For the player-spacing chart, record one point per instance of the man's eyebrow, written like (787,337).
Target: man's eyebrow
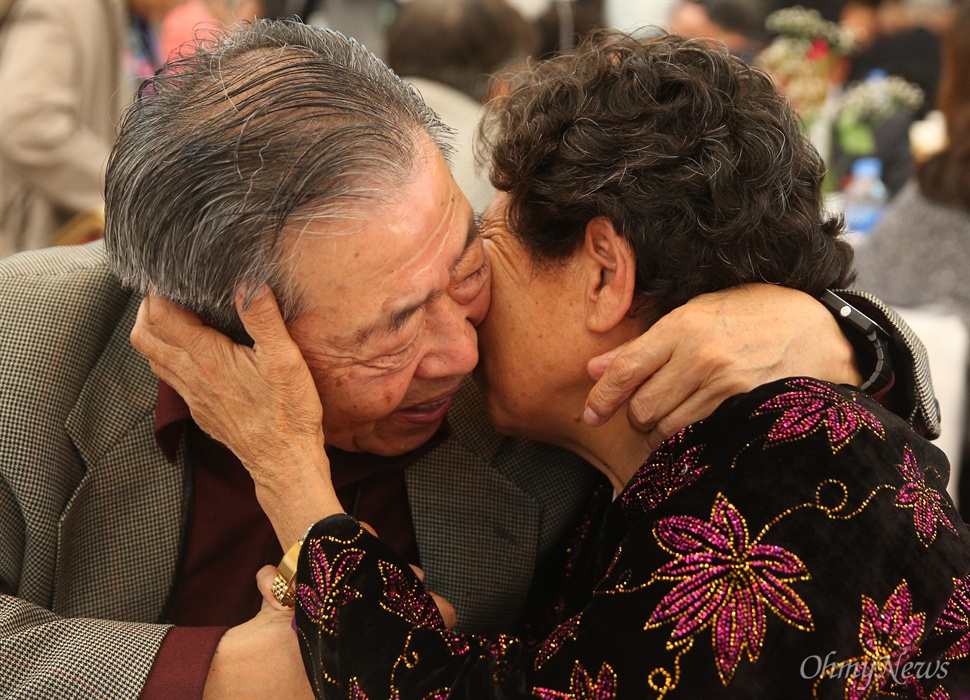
(393,320)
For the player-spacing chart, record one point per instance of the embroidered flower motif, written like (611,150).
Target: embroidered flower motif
(888,637)
(355,692)
(322,600)
(407,599)
(927,503)
(726,582)
(956,618)
(583,687)
(566,630)
(813,405)
(667,470)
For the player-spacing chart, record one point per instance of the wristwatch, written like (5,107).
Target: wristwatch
(870,340)
(286,573)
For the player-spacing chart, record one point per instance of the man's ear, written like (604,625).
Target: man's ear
(610,275)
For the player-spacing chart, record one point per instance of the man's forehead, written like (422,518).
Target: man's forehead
(400,307)
(366,265)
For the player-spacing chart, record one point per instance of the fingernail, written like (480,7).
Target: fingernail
(293,623)
(591,417)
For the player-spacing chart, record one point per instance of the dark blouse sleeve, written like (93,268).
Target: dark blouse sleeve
(799,543)
(368,628)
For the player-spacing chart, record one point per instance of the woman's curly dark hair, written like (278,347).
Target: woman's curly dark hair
(690,152)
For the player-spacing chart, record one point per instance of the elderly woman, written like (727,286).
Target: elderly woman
(797,543)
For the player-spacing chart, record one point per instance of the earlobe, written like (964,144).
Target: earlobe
(611,275)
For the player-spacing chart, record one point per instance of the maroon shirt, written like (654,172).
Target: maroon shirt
(230,539)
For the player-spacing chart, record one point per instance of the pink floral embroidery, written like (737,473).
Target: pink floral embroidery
(322,600)
(355,692)
(408,599)
(667,470)
(956,618)
(813,405)
(927,503)
(566,630)
(888,636)
(939,694)
(726,582)
(584,687)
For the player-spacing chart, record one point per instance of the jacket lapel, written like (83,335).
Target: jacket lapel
(119,536)
(477,530)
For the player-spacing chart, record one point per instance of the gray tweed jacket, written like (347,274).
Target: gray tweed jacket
(92,514)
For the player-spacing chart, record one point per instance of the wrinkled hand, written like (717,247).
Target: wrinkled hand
(715,346)
(247,398)
(260,402)
(259,659)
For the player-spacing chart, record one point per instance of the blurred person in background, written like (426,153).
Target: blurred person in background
(181,25)
(892,36)
(919,254)
(66,71)
(738,24)
(565,22)
(189,22)
(448,51)
(688,18)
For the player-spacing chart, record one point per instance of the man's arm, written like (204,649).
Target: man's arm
(46,656)
(43,655)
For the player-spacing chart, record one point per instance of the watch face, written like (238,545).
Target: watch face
(876,339)
(846,311)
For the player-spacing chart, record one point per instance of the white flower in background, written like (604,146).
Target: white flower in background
(799,23)
(879,96)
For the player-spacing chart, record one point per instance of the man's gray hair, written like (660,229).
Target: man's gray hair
(226,156)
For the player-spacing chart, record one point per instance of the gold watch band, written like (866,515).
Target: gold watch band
(283,584)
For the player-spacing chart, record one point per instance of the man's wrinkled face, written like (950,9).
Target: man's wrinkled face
(390,297)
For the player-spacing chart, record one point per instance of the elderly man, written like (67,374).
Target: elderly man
(290,156)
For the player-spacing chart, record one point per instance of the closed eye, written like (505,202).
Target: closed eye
(469,287)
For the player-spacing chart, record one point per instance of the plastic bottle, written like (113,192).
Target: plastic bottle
(865,197)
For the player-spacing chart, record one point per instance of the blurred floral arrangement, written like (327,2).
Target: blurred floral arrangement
(867,104)
(806,63)
(800,57)
(808,25)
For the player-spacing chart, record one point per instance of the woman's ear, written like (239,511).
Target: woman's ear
(610,275)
